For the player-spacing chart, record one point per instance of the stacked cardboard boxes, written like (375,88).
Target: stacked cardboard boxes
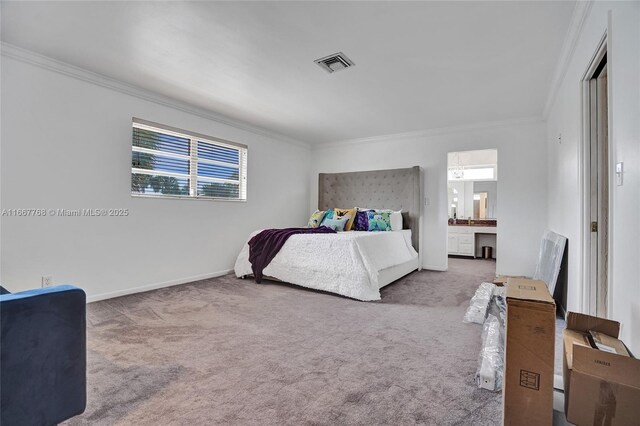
(601,377)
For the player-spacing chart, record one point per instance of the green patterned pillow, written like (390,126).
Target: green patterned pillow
(379,220)
(327,215)
(316,219)
(335,224)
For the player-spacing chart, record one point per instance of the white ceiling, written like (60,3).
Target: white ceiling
(419,65)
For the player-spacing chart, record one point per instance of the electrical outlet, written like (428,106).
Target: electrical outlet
(47,281)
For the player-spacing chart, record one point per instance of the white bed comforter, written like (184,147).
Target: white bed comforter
(346,263)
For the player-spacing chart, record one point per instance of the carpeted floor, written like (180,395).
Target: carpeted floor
(229,351)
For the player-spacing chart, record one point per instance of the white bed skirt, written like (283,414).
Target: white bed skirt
(393,273)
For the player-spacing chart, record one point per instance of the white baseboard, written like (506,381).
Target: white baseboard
(439,268)
(112,294)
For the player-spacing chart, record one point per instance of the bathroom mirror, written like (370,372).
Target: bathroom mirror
(473,184)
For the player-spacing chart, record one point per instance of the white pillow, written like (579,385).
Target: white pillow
(396,217)
(396,220)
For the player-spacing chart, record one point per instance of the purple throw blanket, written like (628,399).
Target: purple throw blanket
(264,246)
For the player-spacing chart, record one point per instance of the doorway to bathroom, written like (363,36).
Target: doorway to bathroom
(472,188)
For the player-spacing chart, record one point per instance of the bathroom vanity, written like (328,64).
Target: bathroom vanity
(468,240)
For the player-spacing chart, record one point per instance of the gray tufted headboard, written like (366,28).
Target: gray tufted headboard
(378,189)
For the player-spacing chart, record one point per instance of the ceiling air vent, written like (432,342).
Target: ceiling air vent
(336,62)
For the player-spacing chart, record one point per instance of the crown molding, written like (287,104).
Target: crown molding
(580,13)
(434,132)
(26,56)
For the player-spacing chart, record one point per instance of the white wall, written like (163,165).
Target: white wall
(521,184)
(564,187)
(66,143)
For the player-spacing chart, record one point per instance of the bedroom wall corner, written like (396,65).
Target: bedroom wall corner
(522,182)
(66,144)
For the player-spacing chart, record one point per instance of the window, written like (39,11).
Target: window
(472,173)
(171,162)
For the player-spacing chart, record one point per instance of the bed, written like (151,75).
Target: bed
(353,264)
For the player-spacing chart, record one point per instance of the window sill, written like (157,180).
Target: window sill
(179,197)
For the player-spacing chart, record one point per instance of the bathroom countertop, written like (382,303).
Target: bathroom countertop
(478,222)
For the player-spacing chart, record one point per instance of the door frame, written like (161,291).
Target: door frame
(589,287)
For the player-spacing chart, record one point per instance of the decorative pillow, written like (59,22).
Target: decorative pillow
(362,209)
(327,215)
(350,214)
(396,217)
(396,220)
(362,222)
(335,224)
(379,220)
(316,219)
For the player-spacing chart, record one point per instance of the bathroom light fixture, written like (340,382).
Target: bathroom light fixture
(457,171)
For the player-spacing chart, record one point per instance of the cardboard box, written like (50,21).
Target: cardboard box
(600,386)
(501,280)
(607,343)
(529,353)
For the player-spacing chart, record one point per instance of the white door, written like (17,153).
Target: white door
(598,188)
(453,244)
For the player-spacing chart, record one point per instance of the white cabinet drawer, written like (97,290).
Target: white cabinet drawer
(465,249)
(465,239)
(453,244)
(464,230)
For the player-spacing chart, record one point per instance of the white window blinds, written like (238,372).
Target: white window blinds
(175,163)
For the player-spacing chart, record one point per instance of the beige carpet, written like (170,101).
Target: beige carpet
(229,351)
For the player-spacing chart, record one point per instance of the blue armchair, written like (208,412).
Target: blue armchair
(43,355)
